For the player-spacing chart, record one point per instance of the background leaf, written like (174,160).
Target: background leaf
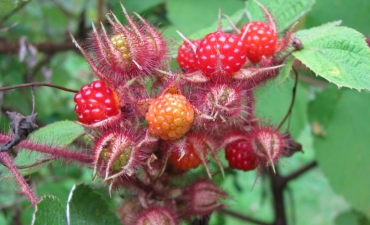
(60,134)
(338,54)
(343,153)
(7,6)
(137,6)
(49,211)
(351,217)
(352,13)
(285,12)
(273,101)
(198,14)
(85,206)
(285,71)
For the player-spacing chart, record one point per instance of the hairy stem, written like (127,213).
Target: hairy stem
(25,189)
(58,152)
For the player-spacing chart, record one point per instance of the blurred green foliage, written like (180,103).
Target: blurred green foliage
(339,114)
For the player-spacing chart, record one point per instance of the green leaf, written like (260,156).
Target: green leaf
(59,134)
(354,13)
(343,154)
(49,211)
(7,6)
(285,12)
(352,218)
(285,71)
(321,110)
(85,206)
(194,15)
(137,6)
(236,17)
(273,101)
(338,54)
(317,30)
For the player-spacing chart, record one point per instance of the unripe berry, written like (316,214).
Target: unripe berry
(170,116)
(114,154)
(156,215)
(203,197)
(128,210)
(267,144)
(225,105)
(136,49)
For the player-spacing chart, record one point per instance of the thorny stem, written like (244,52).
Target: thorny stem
(242,217)
(25,189)
(251,104)
(58,152)
(278,186)
(36,84)
(299,172)
(291,103)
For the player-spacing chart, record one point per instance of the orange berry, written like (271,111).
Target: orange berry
(189,161)
(170,116)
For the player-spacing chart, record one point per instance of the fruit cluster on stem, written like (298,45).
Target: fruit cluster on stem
(151,126)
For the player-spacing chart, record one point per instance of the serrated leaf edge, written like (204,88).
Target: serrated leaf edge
(36,208)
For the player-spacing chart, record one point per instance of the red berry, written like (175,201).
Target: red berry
(240,155)
(260,40)
(220,54)
(95,102)
(186,56)
(170,116)
(189,161)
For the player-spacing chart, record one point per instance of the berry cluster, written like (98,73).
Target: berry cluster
(221,54)
(150,125)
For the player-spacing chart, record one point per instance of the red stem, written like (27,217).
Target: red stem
(25,189)
(58,152)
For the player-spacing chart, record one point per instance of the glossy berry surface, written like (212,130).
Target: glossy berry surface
(260,40)
(170,116)
(240,155)
(95,102)
(220,54)
(186,56)
(189,161)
